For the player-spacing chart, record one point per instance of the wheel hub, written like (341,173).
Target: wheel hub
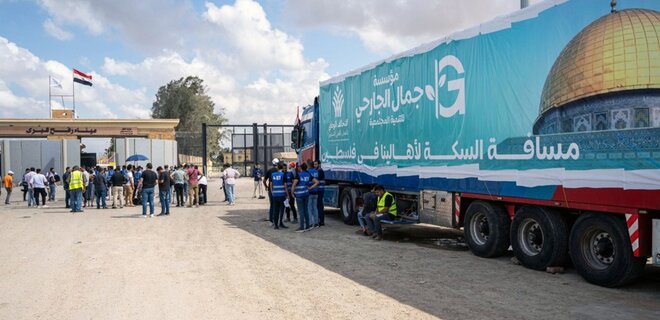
(479,229)
(530,237)
(603,247)
(534,237)
(484,230)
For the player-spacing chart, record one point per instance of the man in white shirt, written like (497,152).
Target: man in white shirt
(28,179)
(86,182)
(230,175)
(203,186)
(39,183)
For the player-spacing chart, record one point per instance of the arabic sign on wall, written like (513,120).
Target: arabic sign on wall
(477,100)
(45,131)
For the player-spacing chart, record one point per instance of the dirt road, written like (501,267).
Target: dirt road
(222,262)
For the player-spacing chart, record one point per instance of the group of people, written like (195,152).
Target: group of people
(35,183)
(297,190)
(126,186)
(373,208)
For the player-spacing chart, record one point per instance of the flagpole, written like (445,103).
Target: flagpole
(50,106)
(73,86)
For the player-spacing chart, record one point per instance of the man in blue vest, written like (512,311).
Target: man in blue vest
(313,196)
(321,191)
(385,210)
(288,173)
(277,188)
(301,183)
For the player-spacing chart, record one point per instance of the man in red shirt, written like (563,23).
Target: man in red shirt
(193,186)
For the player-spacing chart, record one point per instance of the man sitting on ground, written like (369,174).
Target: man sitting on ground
(366,205)
(385,210)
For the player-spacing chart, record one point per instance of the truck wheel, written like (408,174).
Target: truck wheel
(539,237)
(601,251)
(348,213)
(486,229)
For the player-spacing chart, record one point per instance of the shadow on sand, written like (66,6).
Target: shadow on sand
(425,267)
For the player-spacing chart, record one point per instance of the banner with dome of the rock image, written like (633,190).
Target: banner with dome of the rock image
(560,93)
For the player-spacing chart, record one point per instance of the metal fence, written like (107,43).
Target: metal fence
(249,145)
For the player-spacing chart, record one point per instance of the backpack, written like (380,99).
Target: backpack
(57,178)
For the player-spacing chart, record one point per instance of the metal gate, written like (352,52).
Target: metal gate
(248,145)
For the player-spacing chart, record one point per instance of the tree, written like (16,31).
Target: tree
(186,99)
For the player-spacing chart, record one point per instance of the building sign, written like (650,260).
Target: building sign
(39,131)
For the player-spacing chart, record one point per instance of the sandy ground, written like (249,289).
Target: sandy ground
(222,262)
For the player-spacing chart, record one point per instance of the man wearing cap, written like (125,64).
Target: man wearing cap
(8,183)
(267,178)
(257,174)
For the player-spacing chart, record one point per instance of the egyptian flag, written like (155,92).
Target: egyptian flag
(82,78)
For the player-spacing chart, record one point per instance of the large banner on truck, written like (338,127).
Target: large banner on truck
(560,93)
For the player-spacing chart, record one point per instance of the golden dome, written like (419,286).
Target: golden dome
(617,52)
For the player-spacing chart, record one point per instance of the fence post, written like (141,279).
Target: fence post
(204,148)
(266,155)
(255,145)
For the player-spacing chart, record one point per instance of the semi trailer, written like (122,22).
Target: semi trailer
(537,132)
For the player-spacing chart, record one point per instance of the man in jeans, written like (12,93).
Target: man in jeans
(230,175)
(147,183)
(8,184)
(66,177)
(366,205)
(28,178)
(100,189)
(301,179)
(193,186)
(385,210)
(320,192)
(52,178)
(313,196)
(163,191)
(76,187)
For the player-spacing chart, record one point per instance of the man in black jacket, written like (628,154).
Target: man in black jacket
(117,181)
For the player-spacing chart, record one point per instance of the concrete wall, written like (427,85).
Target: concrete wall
(20,154)
(159,152)
(17,154)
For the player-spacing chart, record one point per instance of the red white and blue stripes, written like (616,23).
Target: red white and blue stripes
(82,78)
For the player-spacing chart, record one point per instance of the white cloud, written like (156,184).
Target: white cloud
(74,12)
(394,26)
(254,72)
(30,77)
(148,25)
(267,99)
(258,74)
(56,31)
(248,30)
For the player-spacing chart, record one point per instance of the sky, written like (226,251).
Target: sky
(258,59)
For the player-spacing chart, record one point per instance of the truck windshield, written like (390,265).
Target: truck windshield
(309,134)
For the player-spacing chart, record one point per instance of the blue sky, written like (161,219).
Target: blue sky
(259,59)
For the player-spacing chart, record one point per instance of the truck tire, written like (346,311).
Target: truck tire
(348,213)
(539,237)
(486,229)
(601,251)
